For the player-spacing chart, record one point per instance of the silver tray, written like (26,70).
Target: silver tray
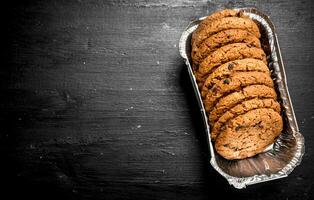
(286,153)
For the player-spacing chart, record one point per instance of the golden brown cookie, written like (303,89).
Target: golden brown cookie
(216,15)
(225,70)
(225,54)
(236,87)
(249,134)
(229,101)
(221,39)
(234,83)
(240,109)
(223,24)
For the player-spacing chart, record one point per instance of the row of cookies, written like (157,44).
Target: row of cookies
(238,93)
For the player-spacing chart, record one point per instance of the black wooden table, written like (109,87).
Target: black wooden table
(96,101)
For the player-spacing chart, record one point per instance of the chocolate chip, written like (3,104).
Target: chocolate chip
(238,128)
(260,125)
(239,14)
(226,81)
(230,66)
(214,89)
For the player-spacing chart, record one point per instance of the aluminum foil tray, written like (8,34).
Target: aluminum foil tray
(286,153)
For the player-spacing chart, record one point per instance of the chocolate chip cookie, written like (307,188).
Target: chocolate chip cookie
(240,109)
(223,38)
(249,134)
(227,69)
(224,24)
(249,92)
(225,54)
(234,83)
(236,87)
(216,15)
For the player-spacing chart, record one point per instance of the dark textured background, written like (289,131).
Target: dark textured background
(96,101)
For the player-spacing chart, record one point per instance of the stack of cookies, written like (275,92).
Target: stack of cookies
(238,93)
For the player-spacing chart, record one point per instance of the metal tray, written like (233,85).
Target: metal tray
(286,153)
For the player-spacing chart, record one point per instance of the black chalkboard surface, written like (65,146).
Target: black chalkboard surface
(96,102)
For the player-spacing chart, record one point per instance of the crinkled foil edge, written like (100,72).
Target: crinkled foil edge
(278,65)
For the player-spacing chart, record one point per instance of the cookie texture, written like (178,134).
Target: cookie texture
(249,134)
(221,39)
(225,54)
(224,24)
(242,108)
(234,83)
(229,68)
(226,103)
(216,15)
